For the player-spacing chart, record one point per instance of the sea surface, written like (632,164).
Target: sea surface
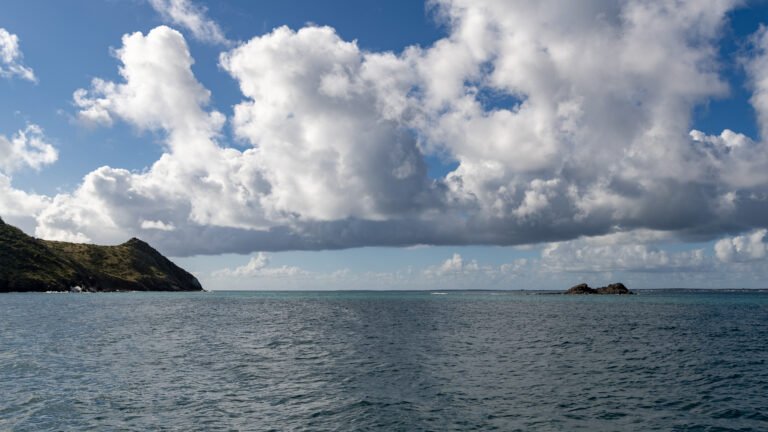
(384,361)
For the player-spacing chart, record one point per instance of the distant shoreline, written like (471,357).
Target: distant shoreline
(425,291)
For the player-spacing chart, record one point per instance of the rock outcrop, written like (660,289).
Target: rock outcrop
(614,288)
(28,264)
(581,289)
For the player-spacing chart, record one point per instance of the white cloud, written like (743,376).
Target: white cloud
(457,268)
(454,265)
(588,135)
(604,97)
(287,182)
(743,248)
(258,266)
(757,68)
(195,183)
(26,148)
(315,119)
(18,207)
(518,267)
(454,273)
(610,254)
(191,17)
(157,225)
(159,93)
(11,58)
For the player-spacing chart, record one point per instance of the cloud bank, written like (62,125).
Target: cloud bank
(563,121)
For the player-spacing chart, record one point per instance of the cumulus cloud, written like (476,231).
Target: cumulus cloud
(586,256)
(598,134)
(26,148)
(11,64)
(743,248)
(290,190)
(159,93)
(757,68)
(18,207)
(191,17)
(157,225)
(323,143)
(258,266)
(586,132)
(454,265)
(195,183)
(457,268)
(454,273)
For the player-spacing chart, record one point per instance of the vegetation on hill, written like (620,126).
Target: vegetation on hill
(30,264)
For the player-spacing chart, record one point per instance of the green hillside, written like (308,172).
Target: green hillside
(30,264)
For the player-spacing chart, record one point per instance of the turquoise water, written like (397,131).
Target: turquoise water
(688,361)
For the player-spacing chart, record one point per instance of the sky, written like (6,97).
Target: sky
(452,144)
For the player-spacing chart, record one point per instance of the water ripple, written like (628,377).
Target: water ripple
(384,361)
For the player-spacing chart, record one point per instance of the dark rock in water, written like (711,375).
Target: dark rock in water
(28,264)
(614,288)
(581,289)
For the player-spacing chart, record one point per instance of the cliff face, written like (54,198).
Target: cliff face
(30,264)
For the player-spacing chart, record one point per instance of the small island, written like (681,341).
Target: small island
(28,264)
(614,288)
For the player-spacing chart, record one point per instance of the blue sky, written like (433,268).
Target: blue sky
(452,145)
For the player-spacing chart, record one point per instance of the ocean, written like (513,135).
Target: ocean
(384,361)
